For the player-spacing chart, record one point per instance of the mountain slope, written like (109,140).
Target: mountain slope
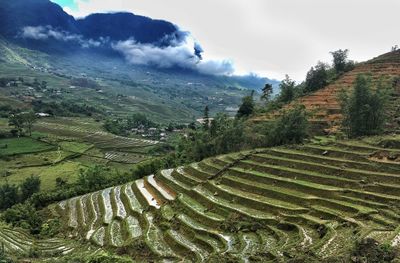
(267,205)
(324,103)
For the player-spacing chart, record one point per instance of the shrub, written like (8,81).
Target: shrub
(290,128)
(23,215)
(369,250)
(30,186)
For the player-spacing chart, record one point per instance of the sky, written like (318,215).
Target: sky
(270,37)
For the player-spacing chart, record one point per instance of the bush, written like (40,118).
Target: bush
(23,215)
(8,196)
(290,128)
(30,186)
(369,250)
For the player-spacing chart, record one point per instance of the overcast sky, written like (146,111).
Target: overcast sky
(270,37)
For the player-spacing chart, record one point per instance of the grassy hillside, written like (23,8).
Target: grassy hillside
(119,89)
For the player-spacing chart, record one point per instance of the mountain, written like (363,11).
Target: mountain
(17,14)
(138,57)
(122,26)
(41,24)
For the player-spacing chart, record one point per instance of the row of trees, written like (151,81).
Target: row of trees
(22,122)
(224,134)
(317,77)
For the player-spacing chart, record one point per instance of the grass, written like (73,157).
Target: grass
(76,147)
(66,170)
(22,145)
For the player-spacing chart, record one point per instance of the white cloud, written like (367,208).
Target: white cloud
(48,32)
(273,37)
(179,55)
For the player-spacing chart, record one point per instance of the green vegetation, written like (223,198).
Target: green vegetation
(316,78)
(364,109)
(22,145)
(92,184)
(371,251)
(247,106)
(291,204)
(340,62)
(290,128)
(30,186)
(122,126)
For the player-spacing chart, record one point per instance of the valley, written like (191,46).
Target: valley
(123,141)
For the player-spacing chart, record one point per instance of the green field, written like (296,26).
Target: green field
(22,145)
(48,174)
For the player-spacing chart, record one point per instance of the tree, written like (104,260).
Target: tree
(29,118)
(267,92)
(340,60)
(291,127)
(8,195)
(206,118)
(317,78)
(21,121)
(364,109)
(247,106)
(24,215)
(17,121)
(93,178)
(287,87)
(139,120)
(30,186)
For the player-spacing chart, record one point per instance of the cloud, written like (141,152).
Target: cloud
(273,37)
(176,50)
(185,54)
(48,32)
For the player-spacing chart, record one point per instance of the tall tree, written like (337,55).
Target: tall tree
(206,118)
(287,87)
(340,60)
(267,92)
(17,121)
(30,186)
(364,109)
(247,106)
(29,118)
(8,195)
(316,78)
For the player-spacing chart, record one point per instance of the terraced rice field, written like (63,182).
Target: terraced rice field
(324,103)
(124,157)
(18,242)
(100,139)
(265,205)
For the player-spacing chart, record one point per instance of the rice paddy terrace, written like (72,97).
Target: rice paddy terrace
(265,205)
(18,242)
(88,132)
(325,106)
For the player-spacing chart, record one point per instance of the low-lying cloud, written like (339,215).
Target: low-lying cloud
(185,54)
(48,32)
(171,52)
